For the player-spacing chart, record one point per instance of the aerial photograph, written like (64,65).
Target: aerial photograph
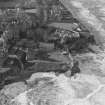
(52,52)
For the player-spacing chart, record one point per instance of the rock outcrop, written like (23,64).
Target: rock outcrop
(48,89)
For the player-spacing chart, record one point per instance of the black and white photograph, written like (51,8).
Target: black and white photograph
(52,52)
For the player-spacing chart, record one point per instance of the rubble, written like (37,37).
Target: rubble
(90,13)
(44,45)
(84,90)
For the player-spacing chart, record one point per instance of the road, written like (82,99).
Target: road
(91,13)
